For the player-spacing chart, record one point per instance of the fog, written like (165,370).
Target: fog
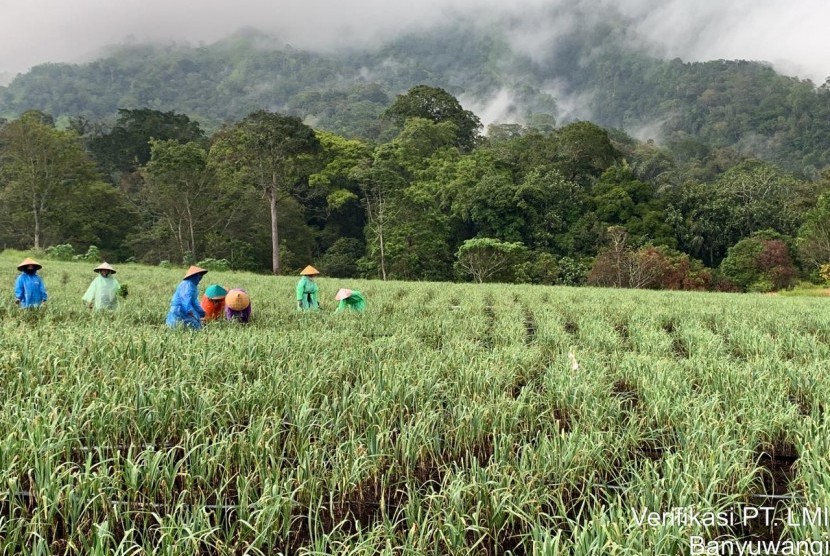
(787,33)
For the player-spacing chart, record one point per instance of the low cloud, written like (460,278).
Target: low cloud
(791,35)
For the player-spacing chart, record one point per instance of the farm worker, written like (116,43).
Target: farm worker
(29,289)
(307,289)
(349,299)
(238,306)
(102,292)
(213,302)
(184,306)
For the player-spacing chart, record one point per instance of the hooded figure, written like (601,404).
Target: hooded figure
(349,300)
(213,302)
(238,306)
(102,292)
(29,289)
(307,289)
(184,307)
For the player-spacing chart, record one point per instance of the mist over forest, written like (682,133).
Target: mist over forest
(571,66)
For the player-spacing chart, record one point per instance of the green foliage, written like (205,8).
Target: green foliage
(814,234)
(584,151)
(92,255)
(340,260)
(573,272)
(417,194)
(620,199)
(184,199)
(437,105)
(41,170)
(538,268)
(487,259)
(694,108)
(708,218)
(760,263)
(63,252)
(128,145)
(271,153)
(215,264)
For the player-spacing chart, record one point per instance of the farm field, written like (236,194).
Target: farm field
(447,419)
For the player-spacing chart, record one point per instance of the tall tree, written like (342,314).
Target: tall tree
(584,151)
(273,153)
(709,218)
(405,232)
(182,193)
(39,165)
(127,146)
(437,105)
(380,180)
(814,235)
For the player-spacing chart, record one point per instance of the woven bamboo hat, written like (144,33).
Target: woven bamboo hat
(237,300)
(194,270)
(215,291)
(342,294)
(29,262)
(103,266)
(309,271)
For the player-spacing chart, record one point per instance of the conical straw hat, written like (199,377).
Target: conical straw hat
(237,300)
(29,262)
(342,294)
(104,266)
(193,270)
(309,271)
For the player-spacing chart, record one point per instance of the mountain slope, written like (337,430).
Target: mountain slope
(592,73)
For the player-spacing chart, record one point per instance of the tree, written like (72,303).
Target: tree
(620,199)
(182,193)
(95,213)
(335,206)
(710,217)
(405,230)
(273,153)
(126,147)
(437,105)
(584,151)
(380,179)
(814,235)
(39,165)
(486,258)
(761,262)
(619,266)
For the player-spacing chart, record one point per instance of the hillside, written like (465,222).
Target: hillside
(590,74)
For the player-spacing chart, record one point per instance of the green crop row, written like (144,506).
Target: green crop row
(446,419)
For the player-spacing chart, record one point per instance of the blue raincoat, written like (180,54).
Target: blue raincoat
(184,307)
(30,290)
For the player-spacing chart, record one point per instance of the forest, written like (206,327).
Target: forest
(245,155)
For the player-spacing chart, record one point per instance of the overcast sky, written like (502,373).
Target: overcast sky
(792,34)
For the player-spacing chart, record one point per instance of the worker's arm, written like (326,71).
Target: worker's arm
(195,308)
(89,296)
(19,290)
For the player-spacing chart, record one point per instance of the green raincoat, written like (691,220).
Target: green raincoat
(354,302)
(306,294)
(102,292)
